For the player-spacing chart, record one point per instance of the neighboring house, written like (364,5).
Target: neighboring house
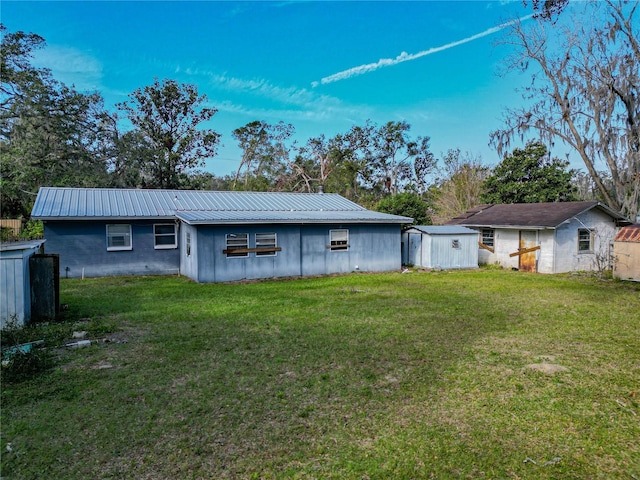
(214,236)
(626,252)
(443,246)
(15,281)
(544,237)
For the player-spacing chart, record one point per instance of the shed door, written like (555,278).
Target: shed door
(415,249)
(527,261)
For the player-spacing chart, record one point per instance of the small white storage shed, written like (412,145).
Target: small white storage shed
(626,251)
(15,283)
(440,246)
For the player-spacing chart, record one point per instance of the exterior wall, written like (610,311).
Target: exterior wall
(435,251)
(15,286)
(558,248)
(506,241)
(627,261)
(303,252)
(567,258)
(214,266)
(443,255)
(82,247)
(372,248)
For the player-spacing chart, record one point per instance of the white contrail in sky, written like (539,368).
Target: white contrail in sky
(406,57)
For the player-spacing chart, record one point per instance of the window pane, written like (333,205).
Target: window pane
(584,240)
(237,241)
(165,235)
(165,240)
(487,237)
(265,240)
(339,239)
(165,229)
(119,237)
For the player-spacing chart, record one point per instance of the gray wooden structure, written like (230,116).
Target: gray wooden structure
(15,281)
(441,246)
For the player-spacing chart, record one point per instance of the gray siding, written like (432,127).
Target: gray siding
(436,250)
(83,250)
(15,286)
(303,252)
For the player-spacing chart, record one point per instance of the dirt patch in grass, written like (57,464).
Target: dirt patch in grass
(547,368)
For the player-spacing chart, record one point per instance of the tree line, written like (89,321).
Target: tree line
(51,134)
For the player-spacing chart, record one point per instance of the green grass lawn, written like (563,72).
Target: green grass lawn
(478,374)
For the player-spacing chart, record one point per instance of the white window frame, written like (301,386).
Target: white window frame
(336,244)
(455,243)
(164,235)
(583,231)
(231,236)
(125,235)
(187,243)
(267,240)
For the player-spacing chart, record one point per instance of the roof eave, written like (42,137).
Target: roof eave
(114,219)
(510,227)
(294,221)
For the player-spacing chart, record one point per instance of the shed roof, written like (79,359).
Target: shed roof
(529,215)
(197,206)
(444,230)
(630,233)
(21,245)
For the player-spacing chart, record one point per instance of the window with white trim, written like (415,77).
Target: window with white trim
(118,237)
(585,241)
(455,244)
(187,243)
(266,244)
(237,241)
(165,236)
(339,239)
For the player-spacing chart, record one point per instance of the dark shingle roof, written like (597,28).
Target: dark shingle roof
(528,215)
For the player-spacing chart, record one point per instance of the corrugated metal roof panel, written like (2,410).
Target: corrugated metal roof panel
(221,217)
(630,233)
(206,206)
(444,230)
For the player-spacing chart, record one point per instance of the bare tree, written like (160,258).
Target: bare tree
(460,186)
(585,92)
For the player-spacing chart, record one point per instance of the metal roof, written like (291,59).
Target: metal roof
(21,245)
(296,216)
(628,234)
(201,207)
(443,230)
(528,215)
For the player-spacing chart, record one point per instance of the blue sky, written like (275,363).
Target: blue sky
(321,66)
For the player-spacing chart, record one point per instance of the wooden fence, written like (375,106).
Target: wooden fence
(13,224)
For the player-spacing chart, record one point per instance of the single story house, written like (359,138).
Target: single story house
(213,236)
(15,281)
(544,237)
(442,246)
(626,252)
